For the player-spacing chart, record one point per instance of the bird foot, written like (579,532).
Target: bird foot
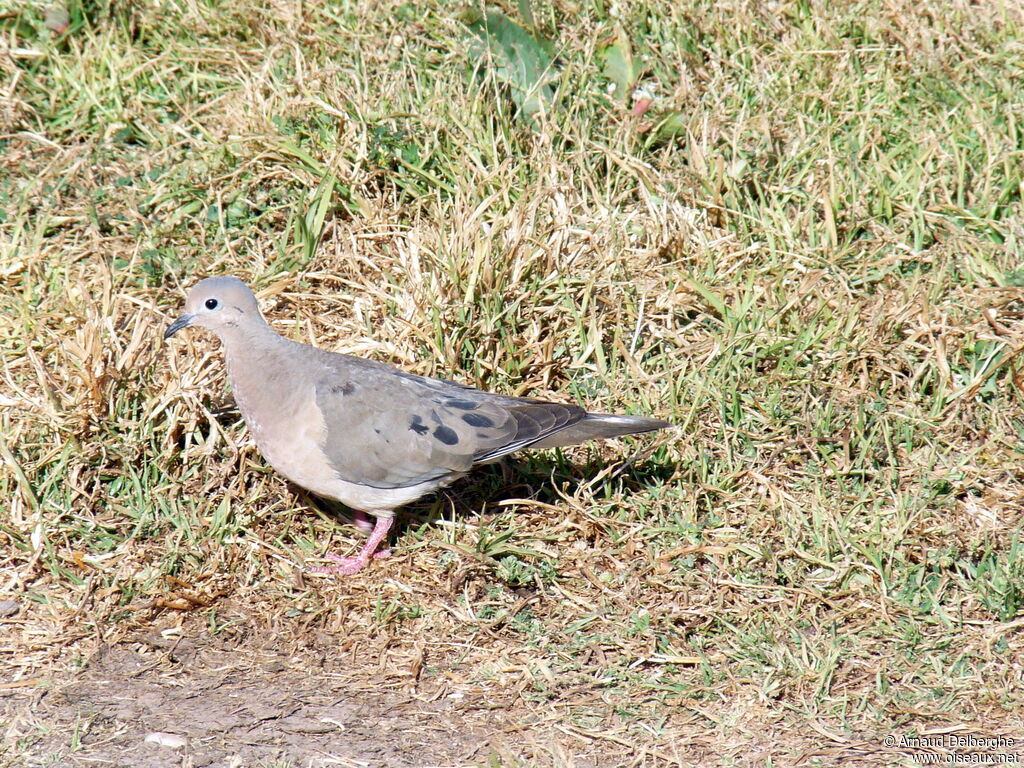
(348,565)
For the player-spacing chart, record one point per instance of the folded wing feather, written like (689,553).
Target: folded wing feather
(428,429)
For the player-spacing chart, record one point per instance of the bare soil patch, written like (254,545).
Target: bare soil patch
(241,704)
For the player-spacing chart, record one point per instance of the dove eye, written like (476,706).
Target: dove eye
(212,303)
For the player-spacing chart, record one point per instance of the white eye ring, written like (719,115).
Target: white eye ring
(211,304)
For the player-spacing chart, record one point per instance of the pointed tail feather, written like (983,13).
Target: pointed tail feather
(600,425)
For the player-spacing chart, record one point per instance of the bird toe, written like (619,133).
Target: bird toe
(345,565)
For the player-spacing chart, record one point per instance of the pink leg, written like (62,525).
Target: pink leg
(362,521)
(350,565)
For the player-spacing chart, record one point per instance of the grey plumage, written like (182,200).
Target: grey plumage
(365,433)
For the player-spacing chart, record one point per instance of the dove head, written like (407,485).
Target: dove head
(219,304)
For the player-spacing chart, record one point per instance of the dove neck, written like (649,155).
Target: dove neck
(249,344)
(257,360)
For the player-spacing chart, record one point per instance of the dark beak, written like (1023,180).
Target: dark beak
(182,322)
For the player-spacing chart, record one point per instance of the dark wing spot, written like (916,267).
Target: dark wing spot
(346,389)
(446,435)
(462,405)
(417,425)
(477,420)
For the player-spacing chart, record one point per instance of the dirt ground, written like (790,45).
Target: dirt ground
(175,693)
(248,703)
(257,695)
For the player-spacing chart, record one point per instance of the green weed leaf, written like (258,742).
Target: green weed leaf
(619,66)
(515,58)
(670,126)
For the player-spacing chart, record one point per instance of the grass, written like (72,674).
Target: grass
(815,273)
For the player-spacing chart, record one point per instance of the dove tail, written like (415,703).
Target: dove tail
(595,426)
